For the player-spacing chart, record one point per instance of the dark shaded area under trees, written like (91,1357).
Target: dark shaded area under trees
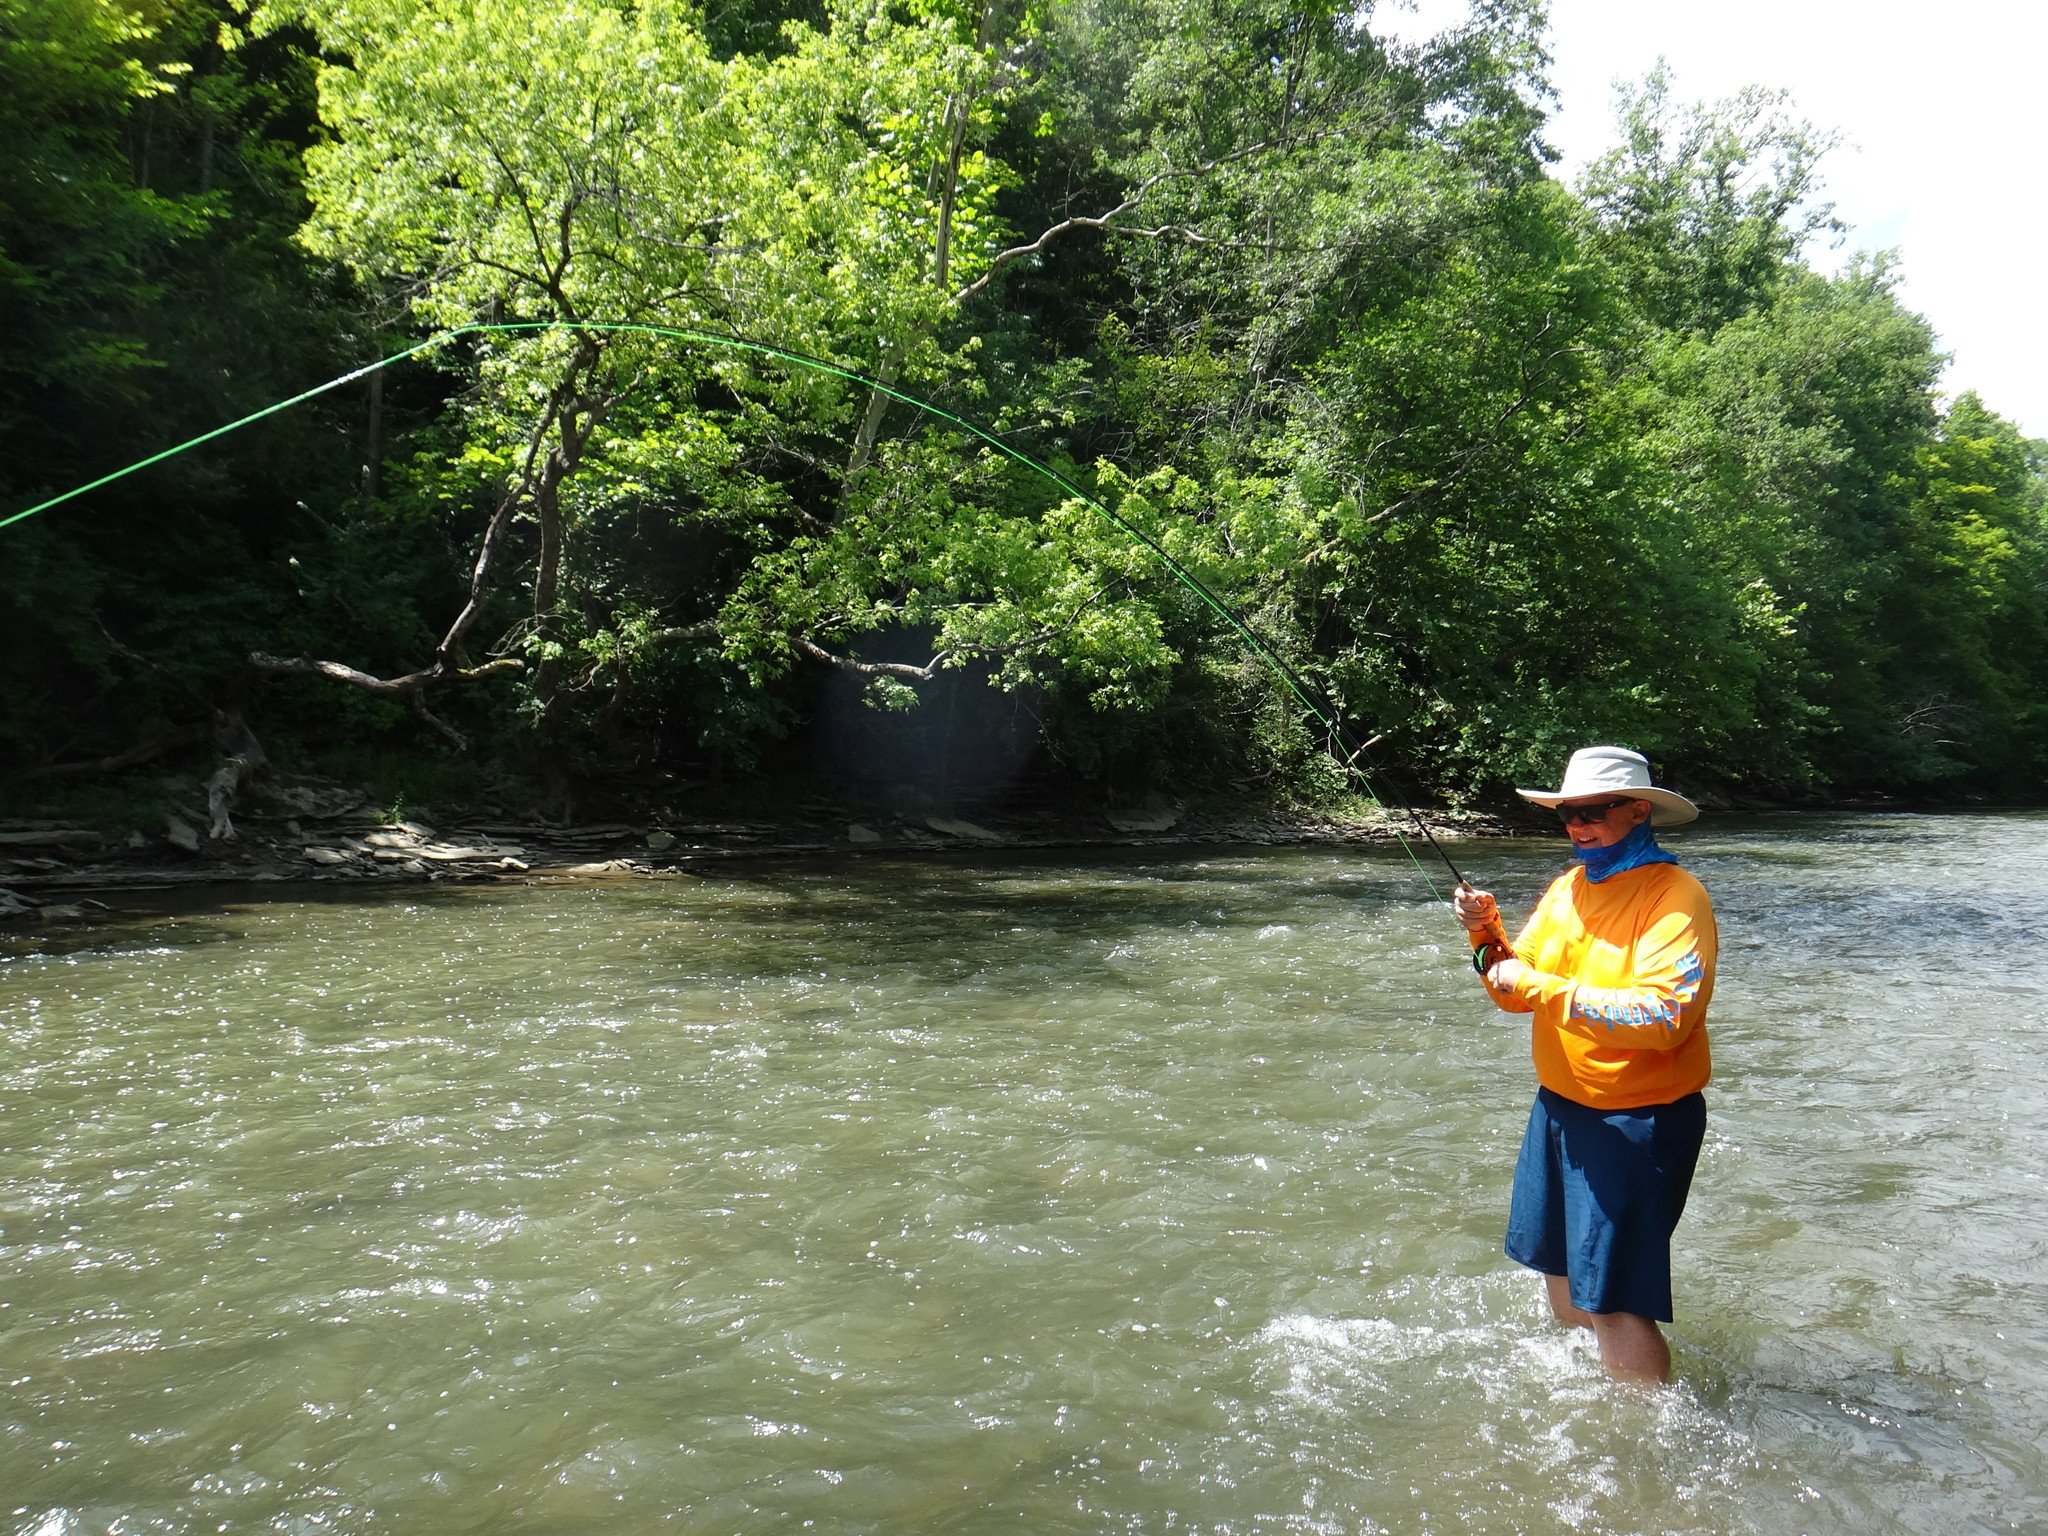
(1501,465)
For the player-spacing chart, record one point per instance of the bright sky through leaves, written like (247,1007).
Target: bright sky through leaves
(1943,141)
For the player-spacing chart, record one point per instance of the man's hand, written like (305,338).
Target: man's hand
(1475,909)
(1505,975)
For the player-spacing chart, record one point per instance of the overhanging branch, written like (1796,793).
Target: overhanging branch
(384,687)
(923,674)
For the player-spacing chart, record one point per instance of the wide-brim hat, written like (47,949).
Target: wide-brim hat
(1616,771)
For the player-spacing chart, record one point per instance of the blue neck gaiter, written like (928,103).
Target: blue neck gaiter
(1632,852)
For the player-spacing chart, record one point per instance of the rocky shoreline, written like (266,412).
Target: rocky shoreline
(53,871)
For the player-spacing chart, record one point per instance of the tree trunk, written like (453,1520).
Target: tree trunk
(571,417)
(578,421)
(871,422)
(959,108)
(245,759)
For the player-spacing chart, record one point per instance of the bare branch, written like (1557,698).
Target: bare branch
(518,273)
(930,669)
(706,630)
(1104,222)
(923,674)
(455,737)
(384,687)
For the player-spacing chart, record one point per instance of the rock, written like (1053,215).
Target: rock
(181,833)
(856,833)
(326,855)
(389,855)
(12,905)
(513,864)
(319,801)
(418,829)
(1150,819)
(137,840)
(390,839)
(660,842)
(48,837)
(952,827)
(606,867)
(59,913)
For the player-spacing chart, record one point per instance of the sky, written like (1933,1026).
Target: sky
(1944,154)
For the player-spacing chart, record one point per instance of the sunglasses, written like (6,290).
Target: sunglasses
(1585,815)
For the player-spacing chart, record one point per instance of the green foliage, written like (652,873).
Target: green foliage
(1967,676)
(1786,443)
(149,290)
(1496,465)
(1703,209)
(82,229)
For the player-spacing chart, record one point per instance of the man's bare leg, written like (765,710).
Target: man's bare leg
(1561,1307)
(1632,1348)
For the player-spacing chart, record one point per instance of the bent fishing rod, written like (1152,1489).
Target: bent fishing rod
(1337,740)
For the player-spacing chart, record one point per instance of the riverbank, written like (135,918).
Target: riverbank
(56,870)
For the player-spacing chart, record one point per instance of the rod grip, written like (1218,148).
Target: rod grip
(1493,941)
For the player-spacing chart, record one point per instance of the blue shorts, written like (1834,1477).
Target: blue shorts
(1598,1194)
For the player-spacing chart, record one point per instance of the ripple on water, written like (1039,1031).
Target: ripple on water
(1063,1196)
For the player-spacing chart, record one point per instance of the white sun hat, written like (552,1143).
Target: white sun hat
(1597,771)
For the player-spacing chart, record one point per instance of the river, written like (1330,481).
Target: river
(1136,1191)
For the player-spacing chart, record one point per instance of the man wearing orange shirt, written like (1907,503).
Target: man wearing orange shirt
(1616,968)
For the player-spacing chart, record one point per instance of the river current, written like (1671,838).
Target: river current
(1120,1192)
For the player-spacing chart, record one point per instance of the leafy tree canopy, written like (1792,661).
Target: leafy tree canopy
(1497,464)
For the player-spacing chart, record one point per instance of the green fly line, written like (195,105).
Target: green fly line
(1334,740)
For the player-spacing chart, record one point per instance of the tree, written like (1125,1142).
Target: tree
(1494,464)
(1706,206)
(576,164)
(81,222)
(1784,448)
(149,290)
(1968,618)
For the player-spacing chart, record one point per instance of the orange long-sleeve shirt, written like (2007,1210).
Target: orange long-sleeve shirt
(1620,975)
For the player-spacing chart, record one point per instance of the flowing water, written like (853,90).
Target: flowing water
(1110,1192)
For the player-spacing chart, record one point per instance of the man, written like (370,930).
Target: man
(1617,968)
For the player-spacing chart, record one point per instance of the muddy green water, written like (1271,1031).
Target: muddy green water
(1053,1194)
